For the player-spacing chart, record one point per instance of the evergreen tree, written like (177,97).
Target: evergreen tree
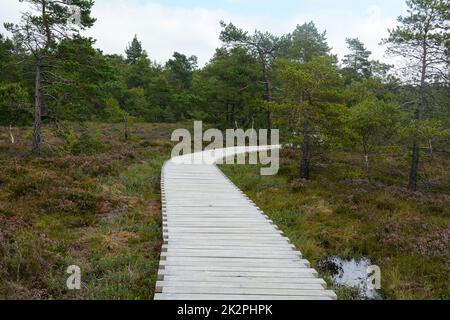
(180,70)
(40,32)
(265,46)
(230,84)
(357,64)
(306,42)
(134,51)
(423,38)
(313,103)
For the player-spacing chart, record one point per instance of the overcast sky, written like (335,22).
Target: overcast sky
(192,26)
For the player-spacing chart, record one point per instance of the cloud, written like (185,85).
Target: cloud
(161,29)
(369,27)
(164,29)
(11,11)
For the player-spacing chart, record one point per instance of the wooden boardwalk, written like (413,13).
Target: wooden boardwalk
(218,245)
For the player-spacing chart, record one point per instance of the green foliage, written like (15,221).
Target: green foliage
(88,145)
(135,102)
(85,144)
(424,24)
(423,38)
(373,123)
(229,85)
(84,73)
(431,131)
(142,179)
(14,107)
(266,47)
(49,23)
(306,42)
(139,74)
(134,51)
(8,65)
(314,97)
(357,63)
(375,120)
(180,70)
(112,110)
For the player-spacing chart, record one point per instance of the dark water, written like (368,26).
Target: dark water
(351,273)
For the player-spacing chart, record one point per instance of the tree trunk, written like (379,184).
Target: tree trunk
(233,111)
(414,168)
(36,149)
(304,163)
(413,174)
(268,94)
(126,132)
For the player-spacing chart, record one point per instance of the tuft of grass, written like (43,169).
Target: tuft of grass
(144,178)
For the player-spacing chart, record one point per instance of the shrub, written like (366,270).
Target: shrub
(86,145)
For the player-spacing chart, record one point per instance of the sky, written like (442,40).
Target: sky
(192,27)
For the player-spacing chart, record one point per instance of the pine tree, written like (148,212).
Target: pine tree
(265,46)
(308,48)
(357,61)
(40,32)
(313,102)
(307,42)
(423,38)
(134,51)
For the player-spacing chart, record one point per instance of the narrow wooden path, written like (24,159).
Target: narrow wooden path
(218,245)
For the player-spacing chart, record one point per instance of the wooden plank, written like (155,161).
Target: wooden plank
(168,296)
(287,251)
(231,242)
(237,268)
(242,284)
(228,254)
(206,260)
(280,266)
(202,279)
(224,246)
(224,236)
(248,291)
(301,272)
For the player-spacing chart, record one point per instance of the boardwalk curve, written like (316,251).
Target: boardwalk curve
(218,245)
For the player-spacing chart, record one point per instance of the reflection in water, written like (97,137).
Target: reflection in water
(350,273)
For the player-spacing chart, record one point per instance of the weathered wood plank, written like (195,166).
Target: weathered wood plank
(235,267)
(247,285)
(301,272)
(189,260)
(168,296)
(202,278)
(249,291)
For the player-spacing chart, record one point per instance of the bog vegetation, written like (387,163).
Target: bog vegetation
(368,144)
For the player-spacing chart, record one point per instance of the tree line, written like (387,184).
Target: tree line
(50,72)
